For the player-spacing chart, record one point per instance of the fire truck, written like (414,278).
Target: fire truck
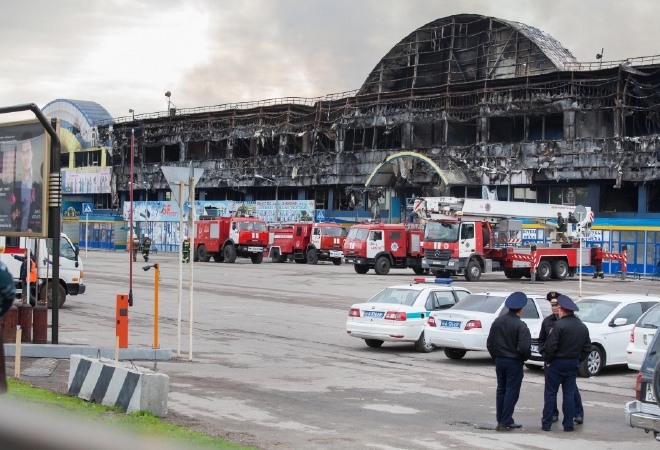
(226,238)
(307,242)
(471,236)
(381,246)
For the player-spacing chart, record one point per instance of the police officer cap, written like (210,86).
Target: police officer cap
(552,295)
(566,303)
(517,300)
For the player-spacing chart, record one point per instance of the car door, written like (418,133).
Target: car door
(619,335)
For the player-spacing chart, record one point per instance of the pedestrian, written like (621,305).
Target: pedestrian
(28,277)
(598,263)
(185,250)
(509,343)
(561,229)
(546,327)
(7,296)
(565,347)
(146,247)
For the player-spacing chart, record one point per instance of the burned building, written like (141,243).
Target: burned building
(463,103)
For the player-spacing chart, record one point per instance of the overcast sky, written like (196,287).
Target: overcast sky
(125,54)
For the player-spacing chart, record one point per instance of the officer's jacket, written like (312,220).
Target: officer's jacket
(569,338)
(546,326)
(509,337)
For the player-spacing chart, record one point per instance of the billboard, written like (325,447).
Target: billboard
(24,169)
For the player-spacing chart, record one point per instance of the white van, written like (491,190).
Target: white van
(71,266)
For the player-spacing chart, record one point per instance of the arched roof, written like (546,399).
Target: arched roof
(81,117)
(466,48)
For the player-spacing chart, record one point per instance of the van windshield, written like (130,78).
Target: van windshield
(66,249)
(441,231)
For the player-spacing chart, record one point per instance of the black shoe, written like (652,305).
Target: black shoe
(601,276)
(501,427)
(512,425)
(544,428)
(579,420)
(568,430)
(555,418)
(595,276)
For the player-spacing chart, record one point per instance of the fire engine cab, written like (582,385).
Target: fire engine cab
(226,238)
(471,236)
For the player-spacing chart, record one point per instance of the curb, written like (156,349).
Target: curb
(65,352)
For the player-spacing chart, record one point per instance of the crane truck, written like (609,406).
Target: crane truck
(471,236)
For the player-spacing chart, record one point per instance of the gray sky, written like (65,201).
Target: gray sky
(126,54)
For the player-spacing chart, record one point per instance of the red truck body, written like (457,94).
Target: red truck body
(226,238)
(307,242)
(381,246)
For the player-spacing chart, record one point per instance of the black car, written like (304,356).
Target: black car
(644,412)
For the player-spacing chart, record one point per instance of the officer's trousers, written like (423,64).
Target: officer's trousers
(561,372)
(509,373)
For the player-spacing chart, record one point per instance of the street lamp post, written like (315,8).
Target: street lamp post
(277,188)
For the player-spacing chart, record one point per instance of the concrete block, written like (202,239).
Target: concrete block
(118,383)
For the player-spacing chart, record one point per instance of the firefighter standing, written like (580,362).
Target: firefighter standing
(135,245)
(32,271)
(561,229)
(185,250)
(146,246)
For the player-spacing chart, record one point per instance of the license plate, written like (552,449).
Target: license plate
(535,348)
(255,249)
(350,260)
(377,314)
(335,254)
(649,393)
(450,324)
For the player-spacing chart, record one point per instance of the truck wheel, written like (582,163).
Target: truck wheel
(281,259)
(257,258)
(275,256)
(473,271)
(202,254)
(543,271)
(48,293)
(382,265)
(217,257)
(336,261)
(513,274)
(361,268)
(560,269)
(312,257)
(229,254)
(419,270)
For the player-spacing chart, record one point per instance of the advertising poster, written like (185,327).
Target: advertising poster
(87,181)
(24,159)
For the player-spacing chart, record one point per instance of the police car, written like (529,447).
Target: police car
(399,313)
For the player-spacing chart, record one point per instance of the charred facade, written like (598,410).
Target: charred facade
(461,103)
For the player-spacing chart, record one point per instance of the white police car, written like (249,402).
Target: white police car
(399,313)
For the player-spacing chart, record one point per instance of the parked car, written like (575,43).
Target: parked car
(644,412)
(610,318)
(465,327)
(398,313)
(641,336)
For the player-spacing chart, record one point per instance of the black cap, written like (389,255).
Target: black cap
(552,295)
(566,303)
(516,300)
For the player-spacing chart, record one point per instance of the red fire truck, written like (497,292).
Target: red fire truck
(471,236)
(226,238)
(380,246)
(307,242)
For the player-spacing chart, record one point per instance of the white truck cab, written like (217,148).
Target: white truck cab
(71,267)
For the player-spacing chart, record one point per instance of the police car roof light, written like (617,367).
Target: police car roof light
(446,281)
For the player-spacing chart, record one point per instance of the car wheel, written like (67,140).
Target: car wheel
(593,363)
(560,270)
(275,255)
(361,268)
(382,265)
(454,353)
(473,271)
(48,294)
(543,271)
(312,257)
(373,343)
(422,345)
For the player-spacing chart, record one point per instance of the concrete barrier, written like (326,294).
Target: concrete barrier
(118,383)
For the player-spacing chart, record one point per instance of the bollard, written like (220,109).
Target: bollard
(25,321)
(10,321)
(121,330)
(40,324)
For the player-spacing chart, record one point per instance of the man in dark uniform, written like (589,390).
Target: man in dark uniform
(509,343)
(561,229)
(7,296)
(546,327)
(567,344)
(185,250)
(146,247)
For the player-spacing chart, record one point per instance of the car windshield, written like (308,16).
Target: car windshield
(441,231)
(480,302)
(333,231)
(395,296)
(651,319)
(358,234)
(595,310)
